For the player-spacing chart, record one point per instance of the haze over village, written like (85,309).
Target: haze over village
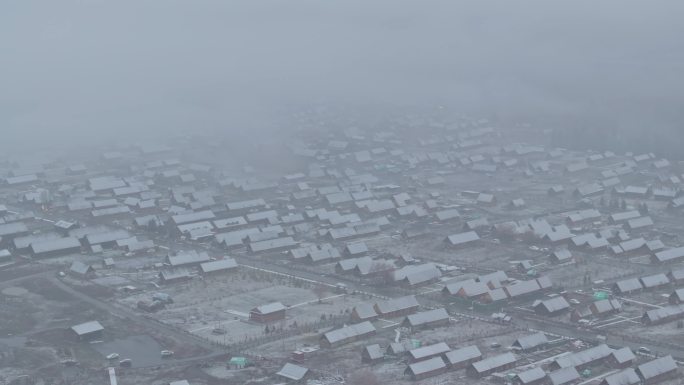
(328,193)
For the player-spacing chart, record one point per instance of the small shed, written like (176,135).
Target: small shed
(81,270)
(372,354)
(293,373)
(88,331)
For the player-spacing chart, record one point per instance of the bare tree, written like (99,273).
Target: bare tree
(383,270)
(363,377)
(320,291)
(506,232)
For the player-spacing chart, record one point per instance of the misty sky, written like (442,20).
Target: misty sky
(89,69)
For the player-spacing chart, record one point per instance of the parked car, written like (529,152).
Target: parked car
(644,350)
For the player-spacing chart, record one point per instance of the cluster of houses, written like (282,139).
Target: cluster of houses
(356,187)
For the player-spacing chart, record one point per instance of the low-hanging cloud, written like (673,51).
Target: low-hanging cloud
(81,71)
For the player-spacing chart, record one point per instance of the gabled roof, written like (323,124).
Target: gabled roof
(55,245)
(79,267)
(629,285)
(624,377)
(87,328)
(531,341)
(606,305)
(522,287)
(657,367)
(497,276)
(106,236)
(668,255)
(564,376)
(463,238)
(623,355)
(664,313)
(374,351)
(427,366)
(562,254)
(269,308)
(654,280)
(193,217)
(429,351)
(365,311)
(492,363)
(223,264)
(677,274)
(448,214)
(461,355)
(168,275)
(554,304)
(356,248)
(188,258)
(397,304)
(426,317)
(625,215)
(638,223)
(293,372)
(584,356)
(272,244)
(12,228)
(416,274)
(471,288)
(531,375)
(347,332)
